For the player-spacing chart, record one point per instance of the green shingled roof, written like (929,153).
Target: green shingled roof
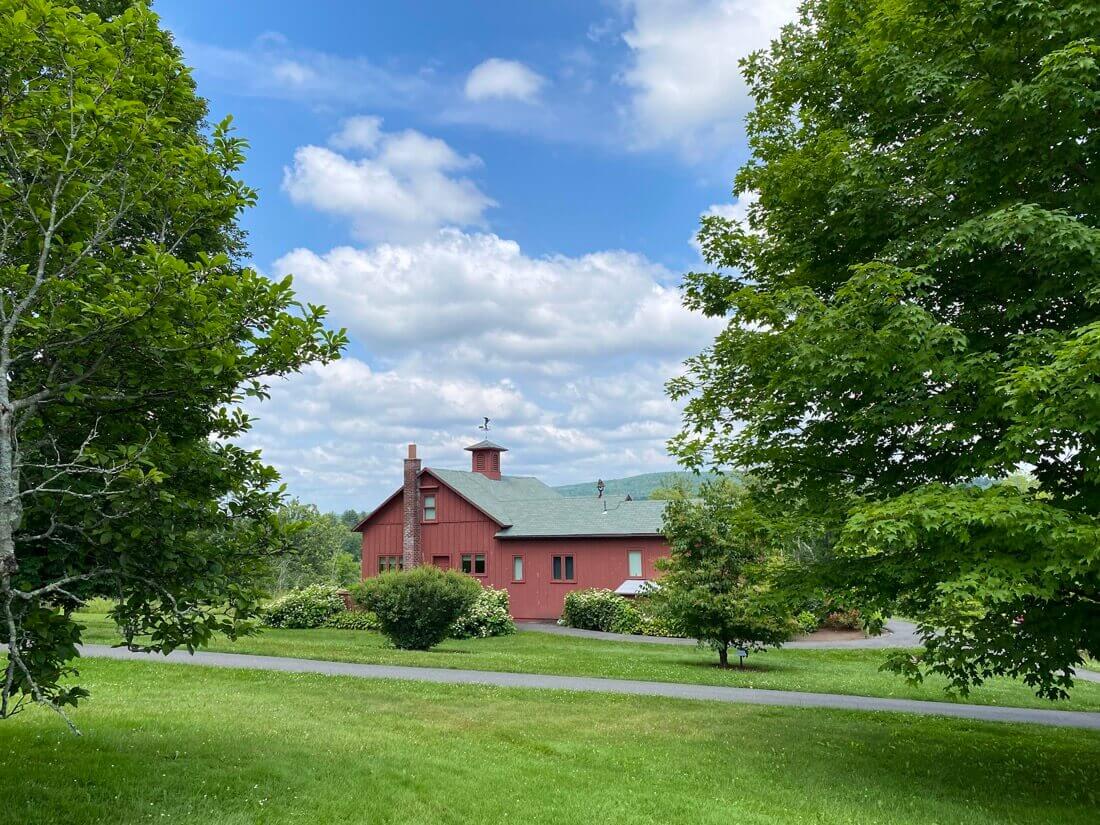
(584,517)
(527,508)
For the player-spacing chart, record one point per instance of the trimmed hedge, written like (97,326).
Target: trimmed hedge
(309,607)
(488,616)
(416,608)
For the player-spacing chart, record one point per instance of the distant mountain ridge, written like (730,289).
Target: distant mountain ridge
(637,487)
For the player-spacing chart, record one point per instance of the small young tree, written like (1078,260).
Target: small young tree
(718,582)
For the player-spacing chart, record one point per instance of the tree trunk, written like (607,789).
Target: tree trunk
(724,655)
(10,505)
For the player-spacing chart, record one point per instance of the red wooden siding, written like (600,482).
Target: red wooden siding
(460,528)
(597,562)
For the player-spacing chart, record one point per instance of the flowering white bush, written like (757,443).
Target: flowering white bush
(488,617)
(599,609)
(308,607)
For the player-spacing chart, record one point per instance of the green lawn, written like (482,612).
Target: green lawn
(165,743)
(822,671)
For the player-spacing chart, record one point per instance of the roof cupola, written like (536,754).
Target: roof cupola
(485,458)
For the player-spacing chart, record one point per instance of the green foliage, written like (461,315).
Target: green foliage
(678,488)
(719,582)
(132,333)
(913,303)
(345,569)
(487,616)
(417,608)
(653,620)
(312,606)
(599,609)
(849,619)
(314,550)
(605,610)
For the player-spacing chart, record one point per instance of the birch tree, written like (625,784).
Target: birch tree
(130,332)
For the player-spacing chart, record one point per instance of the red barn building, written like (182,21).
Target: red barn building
(512,532)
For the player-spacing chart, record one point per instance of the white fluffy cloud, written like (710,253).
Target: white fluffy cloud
(478,298)
(503,79)
(685,74)
(403,186)
(567,354)
(337,433)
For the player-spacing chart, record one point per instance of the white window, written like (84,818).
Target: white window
(429,508)
(634,563)
(517,568)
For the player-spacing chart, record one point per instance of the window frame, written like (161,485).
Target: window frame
(388,563)
(641,564)
(522,568)
(424,508)
(473,557)
(565,563)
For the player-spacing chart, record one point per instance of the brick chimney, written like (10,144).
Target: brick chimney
(485,458)
(411,555)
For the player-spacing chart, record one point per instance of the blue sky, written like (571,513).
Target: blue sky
(497,200)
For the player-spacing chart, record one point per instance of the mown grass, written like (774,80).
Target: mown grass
(854,672)
(200,746)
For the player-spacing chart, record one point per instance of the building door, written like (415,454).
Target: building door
(442,562)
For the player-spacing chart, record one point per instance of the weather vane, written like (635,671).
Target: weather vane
(484,426)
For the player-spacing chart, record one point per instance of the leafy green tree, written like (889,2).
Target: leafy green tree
(913,303)
(677,489)
(345,570)
(129,332)
(719,580)
(313,547)
(350,518)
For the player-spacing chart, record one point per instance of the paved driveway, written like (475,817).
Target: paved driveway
(898,634)
(753,696)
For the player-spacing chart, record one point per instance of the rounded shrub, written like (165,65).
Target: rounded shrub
(843,619)
(598,609)
(487,616)
(309,607)
(416,608)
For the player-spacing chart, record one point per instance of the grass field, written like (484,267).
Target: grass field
(821,671)
(164,743)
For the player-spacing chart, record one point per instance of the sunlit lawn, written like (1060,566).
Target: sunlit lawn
(165,743)
(821,671)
